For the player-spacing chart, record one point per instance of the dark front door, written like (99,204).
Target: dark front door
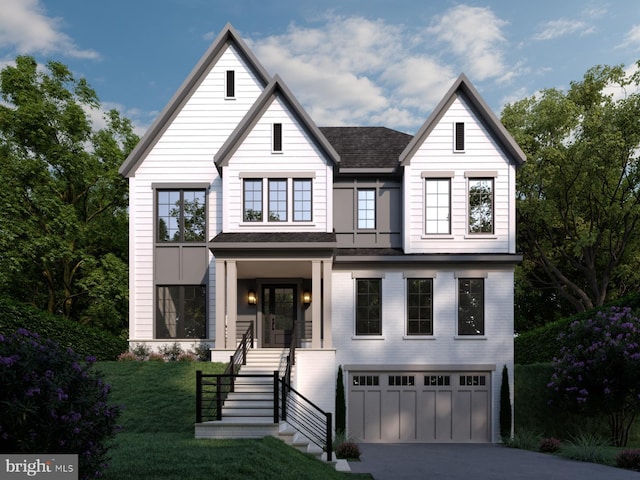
(279,309)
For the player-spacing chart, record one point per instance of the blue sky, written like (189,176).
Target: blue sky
(349,62)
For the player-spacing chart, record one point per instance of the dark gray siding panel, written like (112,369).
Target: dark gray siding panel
(388,231)
(181,265)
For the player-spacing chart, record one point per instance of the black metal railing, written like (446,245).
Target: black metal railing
(306,417)
(210,395)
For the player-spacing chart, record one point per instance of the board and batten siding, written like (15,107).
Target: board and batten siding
(255,157)
(183,156)
(444,347)
(482,157)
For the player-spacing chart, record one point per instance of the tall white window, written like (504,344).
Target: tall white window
(481,205)
(366,209)
(437,206)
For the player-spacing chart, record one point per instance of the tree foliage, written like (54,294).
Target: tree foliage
(598,369)
(506,423)
(578,194)
(64,228)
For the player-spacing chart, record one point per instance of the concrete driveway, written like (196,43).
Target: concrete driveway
(475,462)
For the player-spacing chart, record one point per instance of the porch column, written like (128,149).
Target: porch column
(327,269)
(232,303)
(316,304)
(221,302)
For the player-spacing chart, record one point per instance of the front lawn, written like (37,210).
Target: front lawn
(157,442)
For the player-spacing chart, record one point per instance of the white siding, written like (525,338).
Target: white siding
(254,156)
(183,155)
(393,347)
(315,377)
(481,154)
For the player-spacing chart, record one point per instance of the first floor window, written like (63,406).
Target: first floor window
(419,306)
(181,215)
(437,206)
(252,200)
(368,306)
(481,205)
(181,311)
(470,306)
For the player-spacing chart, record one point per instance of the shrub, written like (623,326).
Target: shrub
(549,445)
(524,439)
(505,406)
(51,401)
(172,352)
(141,351)
(586,448)
(348,449)
(598,369)
(341,408)
(84,340)
(202,352)
(127,357)
(629,459)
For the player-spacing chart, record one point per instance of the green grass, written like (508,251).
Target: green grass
(157,440)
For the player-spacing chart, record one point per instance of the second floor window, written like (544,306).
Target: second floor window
(279,191)
(277,200)
(366,209)
(302,200)
(437,206)
(252,200)
(181,215)
(481,205)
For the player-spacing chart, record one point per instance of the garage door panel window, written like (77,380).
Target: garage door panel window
(402,380)
(368,306)
(419,306)
(470,306)
(473,380)
(362,380)
(437,380)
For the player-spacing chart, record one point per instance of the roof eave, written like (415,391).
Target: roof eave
(193,80)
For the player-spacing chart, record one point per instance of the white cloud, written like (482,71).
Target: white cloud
(474,34)
(359,71)
(632,38)
(25,27)
(560,28)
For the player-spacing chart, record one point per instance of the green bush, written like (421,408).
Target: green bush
(505,406)
(349,450)
(51,401)
(629,459)
(541,345)
(524,440)
(586,448)
(341,408)
(83,340)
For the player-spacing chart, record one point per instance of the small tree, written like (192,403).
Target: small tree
(505,406)
(598,370)
(341,420)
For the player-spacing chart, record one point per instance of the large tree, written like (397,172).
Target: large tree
(63,229)
(579,192)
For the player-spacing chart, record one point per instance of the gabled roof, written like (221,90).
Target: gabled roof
(228,36)
(462,87)
(275,88)
(362,149)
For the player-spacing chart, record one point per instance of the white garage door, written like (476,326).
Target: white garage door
(419,406)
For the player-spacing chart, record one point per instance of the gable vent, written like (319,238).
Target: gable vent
(459,137)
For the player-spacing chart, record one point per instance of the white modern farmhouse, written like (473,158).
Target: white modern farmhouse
(388,254)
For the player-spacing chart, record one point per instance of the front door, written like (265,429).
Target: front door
(279,309)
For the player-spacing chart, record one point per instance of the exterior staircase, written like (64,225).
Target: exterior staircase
(248,410)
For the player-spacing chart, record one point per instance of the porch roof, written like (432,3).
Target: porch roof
(273,241)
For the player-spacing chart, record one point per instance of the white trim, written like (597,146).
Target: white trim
(419,337)
(362,274)
(481,174)
(437,174)
(272,174)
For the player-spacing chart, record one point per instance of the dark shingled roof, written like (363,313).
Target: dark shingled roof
(367,147)
(275,237)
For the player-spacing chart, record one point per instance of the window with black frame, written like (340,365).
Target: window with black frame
(181,215)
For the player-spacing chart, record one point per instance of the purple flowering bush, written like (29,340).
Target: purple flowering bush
(598,369)
(51,401)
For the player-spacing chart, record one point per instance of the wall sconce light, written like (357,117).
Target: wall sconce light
(306,297)
(251,297)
